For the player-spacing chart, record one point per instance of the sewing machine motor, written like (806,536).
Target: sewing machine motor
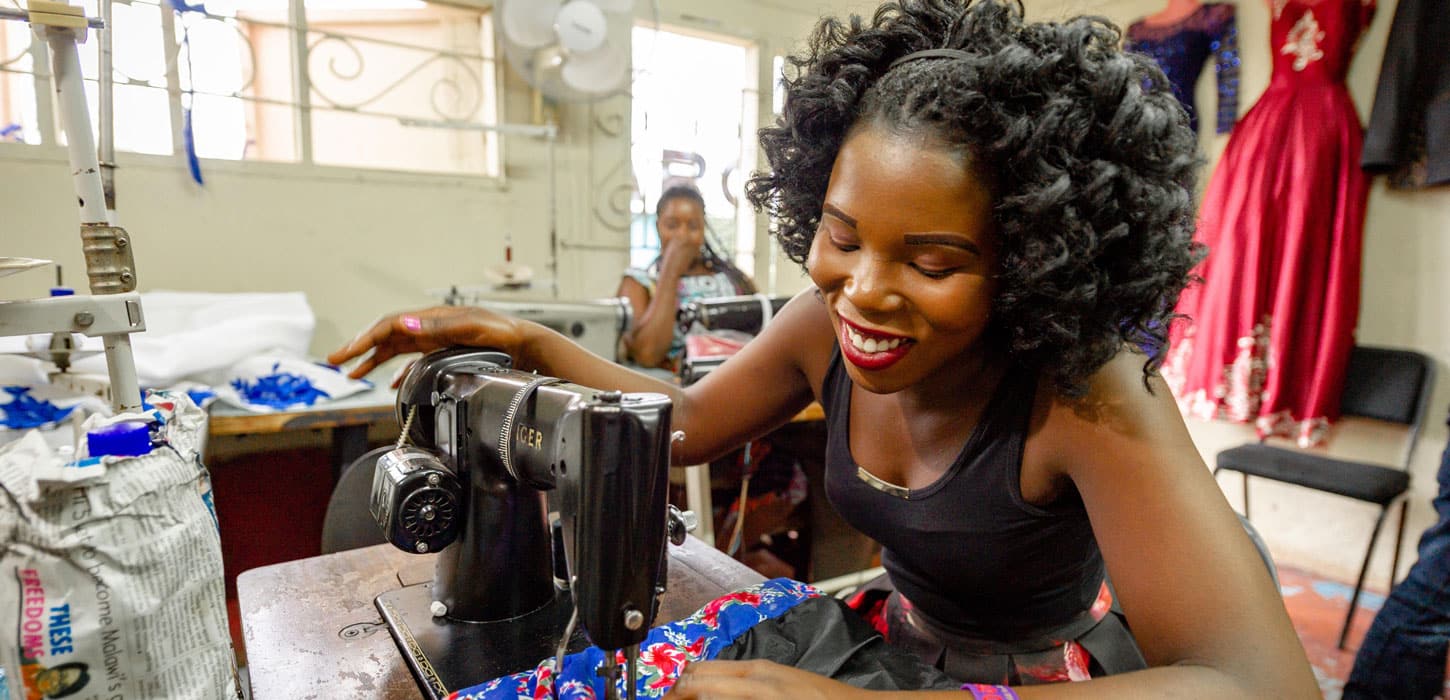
(547,504)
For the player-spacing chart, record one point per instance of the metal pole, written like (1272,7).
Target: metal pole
(81,146)
(70,94)
(44,96)
(172,50)
(301,80)
(107,112)
(631,671)
(553,218)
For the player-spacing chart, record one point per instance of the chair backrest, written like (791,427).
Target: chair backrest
(1390,385)
(348,523)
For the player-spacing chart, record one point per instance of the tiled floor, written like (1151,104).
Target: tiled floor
(1317,607)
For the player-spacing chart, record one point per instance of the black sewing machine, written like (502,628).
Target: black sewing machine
(747,314)
(547,503)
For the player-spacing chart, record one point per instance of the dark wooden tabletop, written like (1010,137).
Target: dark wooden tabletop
(311,630)
(372,406)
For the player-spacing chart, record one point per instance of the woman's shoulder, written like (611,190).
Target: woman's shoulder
(640,276)
(1120,402)
(1120,420)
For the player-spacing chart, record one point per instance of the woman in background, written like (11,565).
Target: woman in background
(687,268)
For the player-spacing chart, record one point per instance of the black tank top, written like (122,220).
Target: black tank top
(967,550)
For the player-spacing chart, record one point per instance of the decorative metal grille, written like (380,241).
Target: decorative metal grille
(347,72)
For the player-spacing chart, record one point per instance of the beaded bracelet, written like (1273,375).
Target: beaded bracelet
(982,691)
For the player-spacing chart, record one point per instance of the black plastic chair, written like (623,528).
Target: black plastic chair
(1382,384)
(348,523)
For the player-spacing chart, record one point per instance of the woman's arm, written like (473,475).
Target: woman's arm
(647,342)
(1200,602)
(1202,606)
(757,390)
(761,387)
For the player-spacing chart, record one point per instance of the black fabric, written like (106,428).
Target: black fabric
(823,636)
(1385,384)
(1112,646)
(1028,661)
(1409,129)
(1366,482)
(968,550)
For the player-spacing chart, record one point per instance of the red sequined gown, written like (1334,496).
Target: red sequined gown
(1273,322)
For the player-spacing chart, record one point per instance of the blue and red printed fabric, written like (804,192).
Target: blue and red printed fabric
(663,655)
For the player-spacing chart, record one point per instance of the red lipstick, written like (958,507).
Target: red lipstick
(871,360)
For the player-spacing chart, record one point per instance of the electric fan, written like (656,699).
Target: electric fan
(570,50)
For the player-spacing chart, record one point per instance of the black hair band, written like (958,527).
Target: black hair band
(929,53)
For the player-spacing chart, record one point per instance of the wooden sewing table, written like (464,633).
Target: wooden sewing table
(311,630)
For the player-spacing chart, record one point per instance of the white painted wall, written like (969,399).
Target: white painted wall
(360,243)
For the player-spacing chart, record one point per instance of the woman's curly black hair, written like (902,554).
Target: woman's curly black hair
(1088,156)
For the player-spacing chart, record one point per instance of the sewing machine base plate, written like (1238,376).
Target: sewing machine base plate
(446,655)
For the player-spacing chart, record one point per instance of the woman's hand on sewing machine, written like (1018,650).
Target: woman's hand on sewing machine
(427,330)
(757,680)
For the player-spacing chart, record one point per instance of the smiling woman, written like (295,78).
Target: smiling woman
(1090,175)
(996,216)
(917,277)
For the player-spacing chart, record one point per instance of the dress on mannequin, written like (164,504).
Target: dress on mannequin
(1181,38)
(1271,326)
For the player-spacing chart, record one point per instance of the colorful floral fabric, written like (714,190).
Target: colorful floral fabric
(663,655)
